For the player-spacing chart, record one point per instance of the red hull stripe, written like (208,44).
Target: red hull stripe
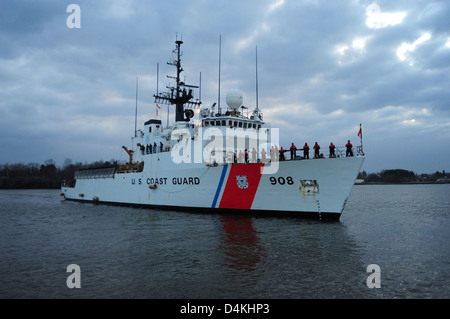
(241,186)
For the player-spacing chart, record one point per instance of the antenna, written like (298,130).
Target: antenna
(181,94)
(257,106)
(220,51)
(157,78)
(135,112)
(200,88)
(167,116)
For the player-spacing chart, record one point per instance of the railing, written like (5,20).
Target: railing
(95,173)
(342,152)
(150,149)
(323,153)
(230,157)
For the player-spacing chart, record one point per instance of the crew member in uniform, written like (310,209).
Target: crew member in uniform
(282,150)
(332,147)
(273,154)
(316,150)
(349,151)
(241,157)
(254,159)
(263,155)
(293,149)
(306,151)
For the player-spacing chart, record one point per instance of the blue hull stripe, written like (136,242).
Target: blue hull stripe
(219,187)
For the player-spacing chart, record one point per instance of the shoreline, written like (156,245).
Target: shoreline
(403,183)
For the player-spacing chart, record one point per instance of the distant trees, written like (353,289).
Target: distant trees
(47,175)
(362,175)
(31,175)
(391,176)
(396,176)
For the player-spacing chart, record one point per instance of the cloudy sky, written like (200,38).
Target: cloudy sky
(324,67)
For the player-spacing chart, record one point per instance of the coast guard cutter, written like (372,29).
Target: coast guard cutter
(222,161)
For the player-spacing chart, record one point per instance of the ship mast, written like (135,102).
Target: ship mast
(179,95)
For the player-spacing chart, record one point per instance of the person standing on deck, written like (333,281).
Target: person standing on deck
(273,154)
(282,157)
(293,149)
(306,151)
(316,150)
(349,151)
(332,147)
(254,159)
(263,155)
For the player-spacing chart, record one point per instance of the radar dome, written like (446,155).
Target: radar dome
(234,98)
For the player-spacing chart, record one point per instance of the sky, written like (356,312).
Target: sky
(68,76)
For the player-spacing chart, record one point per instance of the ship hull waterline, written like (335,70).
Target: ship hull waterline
(312,188)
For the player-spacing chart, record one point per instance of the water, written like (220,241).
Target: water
(139,253)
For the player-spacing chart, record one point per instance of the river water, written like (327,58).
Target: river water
(138,253)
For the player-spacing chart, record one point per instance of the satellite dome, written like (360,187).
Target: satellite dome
(234,98)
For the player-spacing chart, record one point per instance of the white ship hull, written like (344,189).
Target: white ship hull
(305,188)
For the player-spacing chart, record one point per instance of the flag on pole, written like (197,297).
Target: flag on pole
(157,108)
(360,136)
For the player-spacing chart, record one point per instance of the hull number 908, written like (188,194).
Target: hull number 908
(281,180)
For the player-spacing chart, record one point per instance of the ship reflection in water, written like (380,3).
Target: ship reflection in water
(240,243)
(312,257)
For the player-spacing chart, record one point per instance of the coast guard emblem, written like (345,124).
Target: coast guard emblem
(242,181)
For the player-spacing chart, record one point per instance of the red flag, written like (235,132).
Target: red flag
(157,107)
(359,133)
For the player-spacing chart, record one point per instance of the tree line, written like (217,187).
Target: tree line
(48,175)
(401,176)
